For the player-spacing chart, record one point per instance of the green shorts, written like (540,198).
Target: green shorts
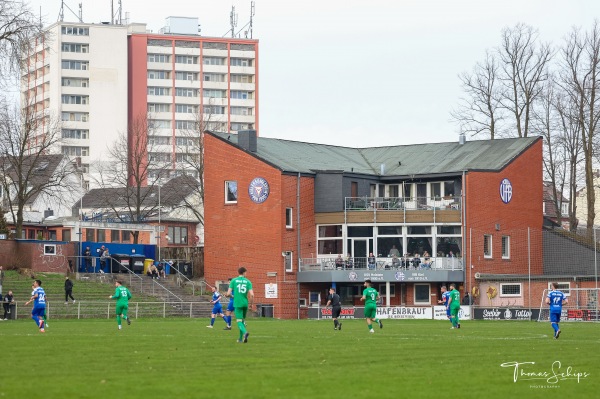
(240,313)
(121,309)
(454,311)
(371,311)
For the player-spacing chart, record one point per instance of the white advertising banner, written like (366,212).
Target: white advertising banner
(401,312)
(439,313)
(271,291)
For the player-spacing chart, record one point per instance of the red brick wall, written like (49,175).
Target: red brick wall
(249,234)
(485,210)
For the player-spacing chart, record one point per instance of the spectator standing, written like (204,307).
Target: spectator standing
(68,290)
(333,300)
(1,278)
(371,262)
(7,302)
(104,255)
(88,259)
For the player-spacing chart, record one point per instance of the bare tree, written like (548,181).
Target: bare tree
(580,75)
(27,168)
(479,110)
(19,30)
(191,153)
(524,63)
(128,182)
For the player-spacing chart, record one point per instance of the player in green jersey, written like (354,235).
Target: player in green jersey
(243,296)
(122,295)
(370,296)
(454,305)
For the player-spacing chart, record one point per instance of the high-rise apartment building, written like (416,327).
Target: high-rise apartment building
(78,74)
(184,83)
(100,78)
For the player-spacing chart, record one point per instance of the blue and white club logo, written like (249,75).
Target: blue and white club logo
(258,190)
(399,276)
(506,191)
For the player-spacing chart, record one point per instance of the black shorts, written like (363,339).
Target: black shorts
(335,312)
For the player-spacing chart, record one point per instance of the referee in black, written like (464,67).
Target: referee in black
(336,308)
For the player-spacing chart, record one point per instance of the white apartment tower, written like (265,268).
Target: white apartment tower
(78,74)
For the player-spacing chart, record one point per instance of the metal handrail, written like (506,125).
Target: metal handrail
(179,275)
(382,263)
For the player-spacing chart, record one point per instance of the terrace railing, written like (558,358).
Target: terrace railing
(401,203)
(381,263)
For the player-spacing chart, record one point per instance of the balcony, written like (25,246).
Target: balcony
(402,270)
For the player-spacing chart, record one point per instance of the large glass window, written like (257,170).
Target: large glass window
(330,240)
(178,235)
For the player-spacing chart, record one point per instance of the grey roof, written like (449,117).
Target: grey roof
(399,160)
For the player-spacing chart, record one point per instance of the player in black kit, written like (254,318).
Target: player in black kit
(336,308)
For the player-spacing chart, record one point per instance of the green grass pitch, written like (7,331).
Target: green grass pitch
(181,358)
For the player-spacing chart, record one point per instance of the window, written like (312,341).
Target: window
(330,240)
(75,31)
(213,61)
(182,92)
(564,287)
(241,78)
(186,59)
(50,249)
(382,290)
(422,294)
(487,246)
(75,48)
(159,156)
(184,141)
(213,77)
(177,235)
(302,302)
(186,108)
(449,189)
(214,110)
(214,93)
(158,91)
(288,261)
(75,151)
(75,117)
(52,235)
(510,290)
(67,99)
(158,74)
(186,125)
(153,107)
(288,218)
(505,247)
(101,235)
(126,236)
(186,76)
(242,111)
(90,235)
(78,134)
(159,140)
(241,126)
(75,65)
(66,235)
(75,82)
(231,192)
(436,190)
(564,208)
(158,58)
(241,95)
(115,236)
(314,298)
(243,62)
(159,124)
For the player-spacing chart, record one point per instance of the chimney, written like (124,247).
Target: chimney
(247,140)
(462,139)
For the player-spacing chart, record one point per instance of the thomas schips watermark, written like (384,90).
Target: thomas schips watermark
(546,378)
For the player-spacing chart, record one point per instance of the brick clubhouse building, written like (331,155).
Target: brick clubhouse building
(302,217)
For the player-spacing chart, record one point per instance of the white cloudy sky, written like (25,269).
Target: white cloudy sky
(358,73)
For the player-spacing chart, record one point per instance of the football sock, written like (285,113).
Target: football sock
(370,326)
(119,319)
(335,323)
(242,328)
(212,321)
(225,319)
(555,327)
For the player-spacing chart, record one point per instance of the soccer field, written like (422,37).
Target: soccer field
(175,358)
